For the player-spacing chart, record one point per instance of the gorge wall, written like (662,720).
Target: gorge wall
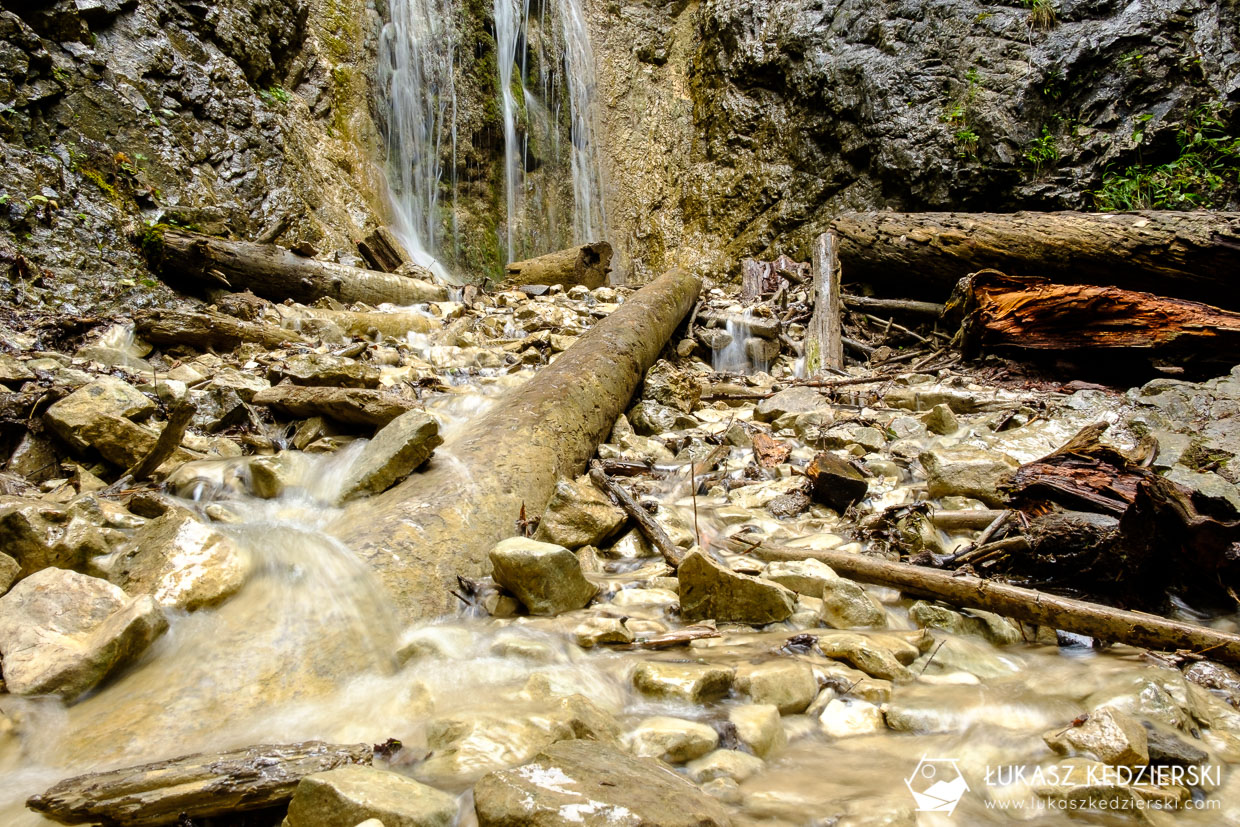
(723,128)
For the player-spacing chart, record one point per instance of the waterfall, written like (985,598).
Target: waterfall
(589,223)
(417,75)
(510,17)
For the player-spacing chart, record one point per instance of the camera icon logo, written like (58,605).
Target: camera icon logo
(937,785)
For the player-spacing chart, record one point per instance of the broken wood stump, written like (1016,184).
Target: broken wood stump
(1035,314)
(383,251)
(836,482)
(824,343)
(587,265)
(275,273)
(194,786)
(1189,255)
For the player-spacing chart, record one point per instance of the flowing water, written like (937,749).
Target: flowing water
(735,356)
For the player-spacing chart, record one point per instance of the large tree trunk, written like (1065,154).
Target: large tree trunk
(587,265)
(441,523)
(194,786)
(276,273)
(1185,254)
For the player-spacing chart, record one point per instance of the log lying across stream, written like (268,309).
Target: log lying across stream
(1188,255)
(441,523)
(586,264)
(270,271)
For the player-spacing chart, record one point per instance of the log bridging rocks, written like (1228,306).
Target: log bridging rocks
(194,786)
(586,265)
(1189,255)
(441,523)
(276,273)
(1098,621)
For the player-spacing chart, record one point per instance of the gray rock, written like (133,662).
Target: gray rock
(845,605)
(796,401)
(9,570)
(546,578)
(1166,747)
(1206,484)
(181,562)
(585,784)
(13,371)
(940,420)
(802,576)
(674,740)
(62,632)
(669,386)
(1113,737)
(650,419)
(852,433)
(759,727)
(867,654)
(788,685)
(397,450)
(967,472)
(106,397)
(693,683)
(325,369)
(578,515)
(709,590)
(38,534)
(349,795)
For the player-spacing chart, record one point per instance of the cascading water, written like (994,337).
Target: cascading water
(589,221)
(417,73)
(510,16)
(735,356)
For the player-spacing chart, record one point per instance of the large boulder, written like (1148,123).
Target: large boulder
(182,562)
(788,685)
(546,578)
(396,451)
(62,632)
(349,795)
(106,397)
(674,740)
(967,472)
(586,784)
(709,590)
(325,369)
(690,683)
(796,400)
(1112,736)
(668,386)
(578,515)
(38,534)
(651,419)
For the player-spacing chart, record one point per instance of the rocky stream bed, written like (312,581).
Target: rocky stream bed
(586,680)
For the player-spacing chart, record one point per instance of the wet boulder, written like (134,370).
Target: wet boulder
(846,717)
(73,417)
(671,387)
(62,632)
(710,590)
(846,605)
(1112,736)
(795,401)
(674,740)
(326,370)
(397,450)
(545,577)
(940,420)
(350,795)
(788,685)
(725,763)
(37,534)
(802,576)
(650,419)
(181,562)
(585,784)
(692,683)
(578,515)
(967,472)
(759,727)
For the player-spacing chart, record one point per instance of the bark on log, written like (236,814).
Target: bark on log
(587,265)
(383,251)
(1189,255)
(278,274)
(1032,313)
(396,324)
(196,786)
(824,348)
(441,522)
(206,329)
(1101,622)
(352,406)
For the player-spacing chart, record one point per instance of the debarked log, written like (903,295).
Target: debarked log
(276,273)
(1033,313)
(1032,606)
(441,523)
(204,329)
(587,264)
(194,786)
(1189,255)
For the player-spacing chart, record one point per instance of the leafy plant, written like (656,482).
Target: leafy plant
(1043,151)
(276,95)
(967,139)
(1204,175)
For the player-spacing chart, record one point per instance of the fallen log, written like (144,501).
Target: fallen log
(276,273)
(395,324)
(1032,313)
(1101,622)
(204,329)
(909,306)
(167,443)
(194,786)
(441,522)
(1189,255)
(586,265)
(351,406)
(646,524)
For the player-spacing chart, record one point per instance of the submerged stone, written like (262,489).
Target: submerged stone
(674,740)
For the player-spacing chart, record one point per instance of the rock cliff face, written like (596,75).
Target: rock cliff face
(248,117)
(738,127)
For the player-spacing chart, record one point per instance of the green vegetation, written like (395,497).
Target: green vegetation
(1205,174)
(1042,14)
(960,114)
(1044,150)
(275,95)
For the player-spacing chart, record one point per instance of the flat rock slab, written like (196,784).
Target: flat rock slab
(350,795)
(63,632)
(710,591)
(352,406)
(397,450)
(587,784)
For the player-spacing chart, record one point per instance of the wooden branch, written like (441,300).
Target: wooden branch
(383,251)
(824,348)
(914,308)
(647,524)
(204,329)
(168,442)
(278,274)
(966,520)
(1185,254)
(194,786)
(1102,622)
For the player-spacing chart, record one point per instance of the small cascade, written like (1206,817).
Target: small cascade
(742,352)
